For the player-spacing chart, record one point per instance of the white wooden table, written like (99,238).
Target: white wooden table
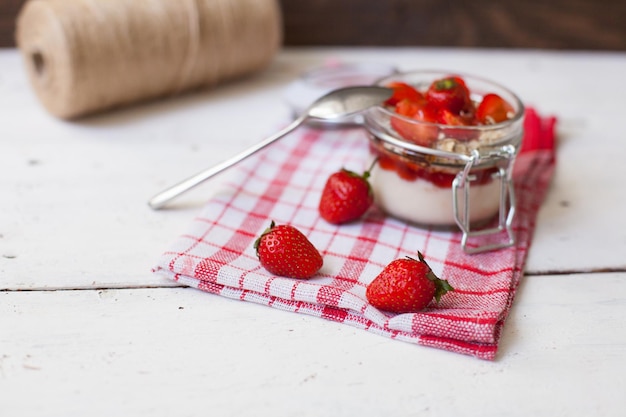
(87,330)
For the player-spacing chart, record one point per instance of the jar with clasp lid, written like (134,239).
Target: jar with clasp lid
(438,171)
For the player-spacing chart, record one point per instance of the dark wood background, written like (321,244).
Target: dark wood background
(545,24)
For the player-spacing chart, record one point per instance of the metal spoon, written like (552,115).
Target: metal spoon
(336,104)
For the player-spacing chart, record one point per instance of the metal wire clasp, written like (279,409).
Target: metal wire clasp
(462,184)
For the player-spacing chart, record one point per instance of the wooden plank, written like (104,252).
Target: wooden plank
(164,352)
(73,208)
(9,10)
(559,24)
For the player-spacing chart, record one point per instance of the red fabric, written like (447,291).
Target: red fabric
(284,183)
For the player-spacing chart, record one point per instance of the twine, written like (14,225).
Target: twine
(85,56)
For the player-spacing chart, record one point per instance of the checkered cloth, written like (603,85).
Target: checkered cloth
(284,184)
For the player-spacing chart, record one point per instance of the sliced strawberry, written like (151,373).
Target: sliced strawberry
(494,109)
(447,117)
(403,91)
(422,131)
(452,119)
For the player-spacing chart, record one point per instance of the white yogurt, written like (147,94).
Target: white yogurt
(422,202)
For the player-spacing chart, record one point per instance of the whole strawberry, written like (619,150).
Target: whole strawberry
(450,93)
(346,196)
(406,286)
(283,250)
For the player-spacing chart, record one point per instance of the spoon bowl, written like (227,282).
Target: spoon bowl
(347,101)
(336,104)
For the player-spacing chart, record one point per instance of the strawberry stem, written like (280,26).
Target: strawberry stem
(257,242)
(442,286)
(445,84)
(367,173)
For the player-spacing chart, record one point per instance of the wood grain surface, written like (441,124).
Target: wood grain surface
(87,330)
(8,12)
(546,24)
(555,24)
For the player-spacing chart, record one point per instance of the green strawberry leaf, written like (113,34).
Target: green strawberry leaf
(257,242)
(442,286)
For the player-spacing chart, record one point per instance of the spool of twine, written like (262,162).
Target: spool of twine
(85,56)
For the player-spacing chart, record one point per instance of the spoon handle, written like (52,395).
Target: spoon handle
(165,196)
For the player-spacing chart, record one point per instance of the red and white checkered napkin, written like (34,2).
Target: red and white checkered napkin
(284,183)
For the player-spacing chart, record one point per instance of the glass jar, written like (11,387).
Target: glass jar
(462,179)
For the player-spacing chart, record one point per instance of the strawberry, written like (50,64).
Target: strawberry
(493,109)
(283,250)
(422,131)
(450,93)
(346,196)
(406,285)
(448,118)
(403,91)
